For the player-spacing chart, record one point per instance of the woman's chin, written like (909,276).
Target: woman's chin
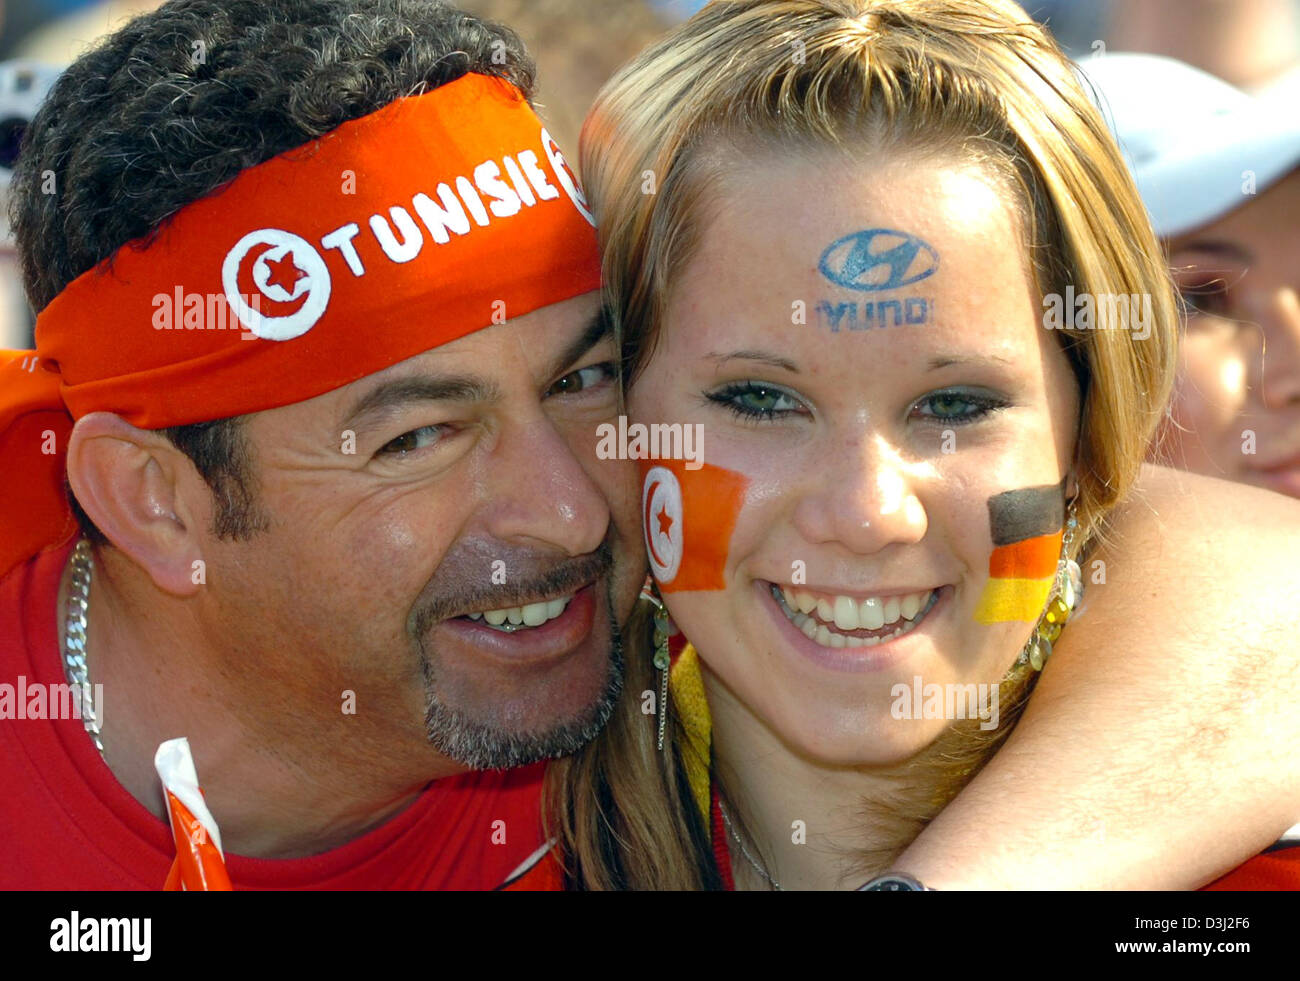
(861,738)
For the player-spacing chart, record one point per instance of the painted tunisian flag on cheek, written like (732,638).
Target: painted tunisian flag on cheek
(688,517)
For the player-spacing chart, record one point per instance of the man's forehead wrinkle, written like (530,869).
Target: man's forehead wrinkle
(549,360)
(528,346)
(395,393)
(445,374)
(598,329)
(521,352)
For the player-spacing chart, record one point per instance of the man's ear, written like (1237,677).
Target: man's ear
(139,490)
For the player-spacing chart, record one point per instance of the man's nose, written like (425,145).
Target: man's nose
(540,495)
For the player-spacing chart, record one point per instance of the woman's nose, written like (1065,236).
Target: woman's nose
(866,501)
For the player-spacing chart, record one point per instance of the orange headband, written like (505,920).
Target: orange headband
(430,219)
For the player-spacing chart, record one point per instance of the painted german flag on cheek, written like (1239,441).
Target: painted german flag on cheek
(688,517)
(1027,526)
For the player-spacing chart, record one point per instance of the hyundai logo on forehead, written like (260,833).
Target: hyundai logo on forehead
(878,259)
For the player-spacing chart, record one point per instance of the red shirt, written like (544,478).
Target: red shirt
(1273,871)
(66,823)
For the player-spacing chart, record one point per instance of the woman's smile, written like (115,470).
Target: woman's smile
(855,632)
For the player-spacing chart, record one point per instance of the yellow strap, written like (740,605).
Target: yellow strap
(687,685)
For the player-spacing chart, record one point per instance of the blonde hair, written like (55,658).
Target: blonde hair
(975,79)
(620,808)
(975,76)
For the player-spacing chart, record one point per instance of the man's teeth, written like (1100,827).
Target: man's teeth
(514,617)
(821,617)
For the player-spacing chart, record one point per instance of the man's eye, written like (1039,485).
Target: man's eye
(756,400)
(583,379)
(957,406)
(416,439)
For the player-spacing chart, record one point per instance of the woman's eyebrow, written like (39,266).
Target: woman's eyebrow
(762,357)
(947,360)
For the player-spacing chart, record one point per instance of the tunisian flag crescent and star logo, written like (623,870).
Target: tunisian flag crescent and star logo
(688,517)
(285,278)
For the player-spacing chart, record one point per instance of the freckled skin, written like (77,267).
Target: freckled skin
(1240,368)
(856,485)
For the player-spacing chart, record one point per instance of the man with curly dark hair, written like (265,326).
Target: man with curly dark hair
(319,291)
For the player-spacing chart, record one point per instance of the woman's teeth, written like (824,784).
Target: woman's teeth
(514,618)
(822,618)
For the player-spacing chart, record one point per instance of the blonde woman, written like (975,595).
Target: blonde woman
(832,234)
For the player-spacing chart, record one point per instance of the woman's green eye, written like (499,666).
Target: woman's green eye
(957,406)
(756,400)
(764,400)
(950,405)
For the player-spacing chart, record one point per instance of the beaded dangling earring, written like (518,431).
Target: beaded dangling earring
(664,629)
(1067,591)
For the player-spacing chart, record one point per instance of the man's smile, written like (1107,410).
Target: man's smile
(512,618)
(553,635)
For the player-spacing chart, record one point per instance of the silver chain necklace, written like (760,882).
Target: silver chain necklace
(745,851)
(74,638)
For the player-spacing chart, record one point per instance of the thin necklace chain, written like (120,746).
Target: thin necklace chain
(745,851)
(74,639)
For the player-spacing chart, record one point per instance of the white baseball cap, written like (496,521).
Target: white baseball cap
(1192,141)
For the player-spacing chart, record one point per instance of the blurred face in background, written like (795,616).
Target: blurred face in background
(1237,408)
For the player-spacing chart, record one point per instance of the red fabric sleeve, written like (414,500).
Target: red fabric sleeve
(1273,871)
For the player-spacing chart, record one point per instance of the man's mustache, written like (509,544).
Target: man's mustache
(527,578)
